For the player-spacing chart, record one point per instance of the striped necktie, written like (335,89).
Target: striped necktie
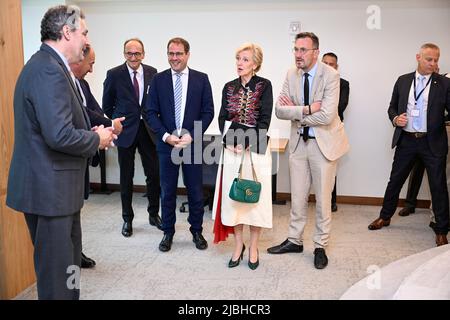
(178,92)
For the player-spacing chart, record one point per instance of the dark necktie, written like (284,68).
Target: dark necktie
(306,101)
(136,85)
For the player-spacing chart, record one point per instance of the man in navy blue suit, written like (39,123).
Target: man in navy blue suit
(180,98)
(125,93)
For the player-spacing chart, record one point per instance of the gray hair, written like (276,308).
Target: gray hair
(56,18)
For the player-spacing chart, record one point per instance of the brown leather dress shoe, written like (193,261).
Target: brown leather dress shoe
(379,223)
(406,211)
(441,239)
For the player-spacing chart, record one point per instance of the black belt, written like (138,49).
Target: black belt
(309,137)
(415,134)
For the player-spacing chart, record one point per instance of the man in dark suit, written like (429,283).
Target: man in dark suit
(96,117)
(52,143)
(417,111)
(124,95)
(180,99)
(331,59)
(415,181)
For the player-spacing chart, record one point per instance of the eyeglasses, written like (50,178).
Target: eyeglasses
(136,54)
(175,54)
(302,50)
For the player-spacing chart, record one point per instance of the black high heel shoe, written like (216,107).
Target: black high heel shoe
(253,265)
(232,263)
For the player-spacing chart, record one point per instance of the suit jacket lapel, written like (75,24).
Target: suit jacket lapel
(189,94)
(169,81)
(52,52)
(432,93)
(146,85)
(406,87)
(317,79)
(297,87)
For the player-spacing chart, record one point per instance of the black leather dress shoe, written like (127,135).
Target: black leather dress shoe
(155,221)
(286,247)
(166,243)
(127,229)
(432,225)
(200,242)
(406,211)
(320,258)
(334,207)
(86,262)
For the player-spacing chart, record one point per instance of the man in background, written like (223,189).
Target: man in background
(96,117)
(125,93)
(417,111)
(331,59)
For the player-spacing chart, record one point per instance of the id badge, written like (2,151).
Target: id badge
(415,113)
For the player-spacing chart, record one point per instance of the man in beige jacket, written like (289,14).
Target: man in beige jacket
(309,98)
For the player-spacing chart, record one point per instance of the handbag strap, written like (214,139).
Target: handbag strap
(255,178)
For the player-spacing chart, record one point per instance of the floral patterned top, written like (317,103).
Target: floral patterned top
(247,107)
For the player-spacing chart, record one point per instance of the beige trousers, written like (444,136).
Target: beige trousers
(308,167)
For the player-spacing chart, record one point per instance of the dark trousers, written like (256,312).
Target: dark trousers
(147,150)
(192,176)
(57,255)
(415,181)
(333,194)
(408,150)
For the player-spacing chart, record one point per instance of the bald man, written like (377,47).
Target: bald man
(96,117)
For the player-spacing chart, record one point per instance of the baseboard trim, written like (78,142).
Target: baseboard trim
(355,200)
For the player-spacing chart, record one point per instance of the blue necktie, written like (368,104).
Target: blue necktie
(417,121)
(178,92)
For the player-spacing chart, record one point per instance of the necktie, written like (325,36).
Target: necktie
(417,121)
(78,85)
(306,102)
(178,92)
(136,85)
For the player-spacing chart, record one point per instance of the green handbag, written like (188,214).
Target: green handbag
(243,190)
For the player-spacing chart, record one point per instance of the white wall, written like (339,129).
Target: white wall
(370,59)
(32,13)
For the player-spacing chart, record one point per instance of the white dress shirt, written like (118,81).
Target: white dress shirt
(140,79)
(184,84)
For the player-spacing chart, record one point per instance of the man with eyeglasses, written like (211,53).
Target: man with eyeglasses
(309,98)
(125,92)
(180,99)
